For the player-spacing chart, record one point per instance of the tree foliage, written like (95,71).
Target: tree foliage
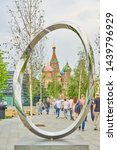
(72,87)
(78,84)
(97,53)
(26,21)
(3,75)
(36,88)
(54,89)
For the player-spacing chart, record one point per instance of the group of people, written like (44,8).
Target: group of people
(43,106)
(73,107)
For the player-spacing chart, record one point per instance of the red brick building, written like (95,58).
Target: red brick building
(52,71)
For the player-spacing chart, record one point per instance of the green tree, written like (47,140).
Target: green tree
(72,87)
(27,20)
(35,89)
(78,84)
(3,75)
(81,76)
(54,88)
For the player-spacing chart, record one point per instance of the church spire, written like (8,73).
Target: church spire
(54,61)
(54,47)
(54,58)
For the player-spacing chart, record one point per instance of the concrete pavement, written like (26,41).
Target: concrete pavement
(12,130)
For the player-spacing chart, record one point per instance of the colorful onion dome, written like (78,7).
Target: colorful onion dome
(48,68)
(62,72)
(67,68)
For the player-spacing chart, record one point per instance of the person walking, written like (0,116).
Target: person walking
(70,108)
(58,107)
(96,111)
(47,106)
(75,113)
(40,106)
(91,110)
(78,109)
(65,107)
(82,101)
(54,106)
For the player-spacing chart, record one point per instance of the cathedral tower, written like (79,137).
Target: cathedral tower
(54,62)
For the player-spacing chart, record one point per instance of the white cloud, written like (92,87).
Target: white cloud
(82,12)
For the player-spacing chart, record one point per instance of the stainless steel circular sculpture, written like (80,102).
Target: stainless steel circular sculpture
(19,72)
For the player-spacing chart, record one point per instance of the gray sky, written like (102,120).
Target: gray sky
(85,13)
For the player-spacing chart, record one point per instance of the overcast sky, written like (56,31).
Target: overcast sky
(85,13)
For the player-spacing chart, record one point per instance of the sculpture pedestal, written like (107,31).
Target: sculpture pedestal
(68,143)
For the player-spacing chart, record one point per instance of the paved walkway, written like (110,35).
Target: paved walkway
(12,130)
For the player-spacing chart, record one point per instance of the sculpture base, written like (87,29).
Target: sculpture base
(35,143)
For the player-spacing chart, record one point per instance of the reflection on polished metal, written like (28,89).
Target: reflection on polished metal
(19,72)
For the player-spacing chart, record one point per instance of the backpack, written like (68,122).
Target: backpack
(78,107)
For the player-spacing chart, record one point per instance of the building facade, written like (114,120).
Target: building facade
(52,71)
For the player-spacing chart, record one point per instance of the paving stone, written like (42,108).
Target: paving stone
(11,130)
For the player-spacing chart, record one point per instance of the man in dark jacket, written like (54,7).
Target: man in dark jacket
(96,111)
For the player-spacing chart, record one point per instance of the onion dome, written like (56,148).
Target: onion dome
(67,68)
(48,68)
(62,72)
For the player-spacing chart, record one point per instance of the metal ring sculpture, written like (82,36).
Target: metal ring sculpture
(19,72)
